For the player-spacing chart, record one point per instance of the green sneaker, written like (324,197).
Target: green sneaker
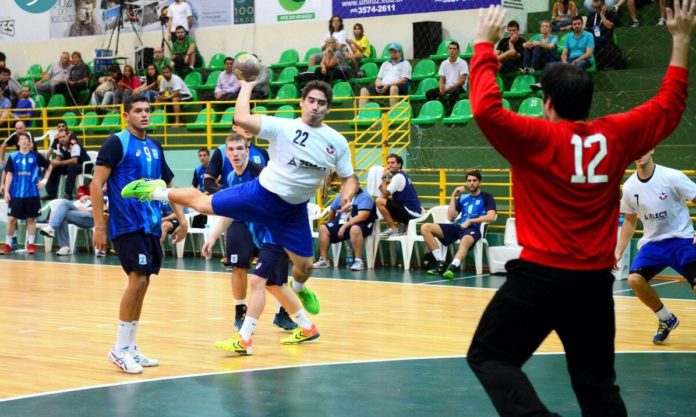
(451,270)
(142,189)
(308,299)
(439,269)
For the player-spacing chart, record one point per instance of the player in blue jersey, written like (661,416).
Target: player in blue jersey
(403,204)
(134,228)
(22,187)
(199,172)
(302,151)
(475,207)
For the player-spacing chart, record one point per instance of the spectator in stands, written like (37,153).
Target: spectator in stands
(227,87)
(562,15)
(68,161)
(180,14)
(453,74)
(169,223)
(104,93)
(152,82)
(65,213)
(59,73)
(5,108)
(25,106)
(601,24)
(510,49)
(360,46)
(126,85)
(185,55)
(173,90)
(159,60)
(78,80)
(8,85)
(54,147)
(392,79)
(611,4)
(22,186)
(199,173)
(539,53)
(579,46)
(13,140)
(474,207)
(338,33)
(333,65)
(633,11)
(403,204)
(355,226)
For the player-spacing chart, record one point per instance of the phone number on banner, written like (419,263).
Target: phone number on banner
(363,8)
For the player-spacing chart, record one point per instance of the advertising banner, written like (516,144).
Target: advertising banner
(281,11)
(352,9)
(17,25)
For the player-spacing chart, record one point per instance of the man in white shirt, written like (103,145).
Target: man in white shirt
(180,14)
(58,73)
(657,195)
(227,87)
(393,78)
(173,90)
(453,74)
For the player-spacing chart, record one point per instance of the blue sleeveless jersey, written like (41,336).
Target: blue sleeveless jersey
(25,173)
(226,168)
(408,197)
(256,156)
(139,159)
(199,175)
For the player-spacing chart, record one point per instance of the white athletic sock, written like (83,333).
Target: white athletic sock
(239,302)
(123,335)
(302,319)
(455,263)
(161,195)
(278,307)
(131,339)
(297,286)
(437,253)
(8,239)
(31,239)
(247,328)
(663,314)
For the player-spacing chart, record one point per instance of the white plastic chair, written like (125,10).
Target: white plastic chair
(439,215)
(406,240)
(205,231)
(498,256)
(477,249)
(91,163)
(315,213)
(48,242)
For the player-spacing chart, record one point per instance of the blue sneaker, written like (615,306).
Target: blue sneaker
(239,315)
(282,319)
(664,328)
(13,244)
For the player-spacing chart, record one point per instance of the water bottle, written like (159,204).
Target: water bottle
(349,253)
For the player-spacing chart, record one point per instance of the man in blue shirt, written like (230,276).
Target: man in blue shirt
(22,187)
(199,172)
(134,227)
(579,46)
(475,207)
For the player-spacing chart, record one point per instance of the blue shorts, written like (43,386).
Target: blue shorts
(334,226)
(273,264)
(139,252)
(239,245)
(24,208)
(676,253)
(287,223)
(453,232)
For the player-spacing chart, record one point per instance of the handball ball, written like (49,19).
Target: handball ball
(247,67)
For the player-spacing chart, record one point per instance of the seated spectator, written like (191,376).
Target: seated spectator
(159,60)
(9,86)
(169,223)
(5,108)
(185,55)
(403,204)
(579,46)
(126,85)
(337,33)
(541,52)
(392,79)
(65,213)
(58,74)
(601,24)
(453,73)
(54,147)
(333,65)
(68,161)
(633,11)
(228,86)
(104,93)
(475,207)
(360,46)
(510,49)
(13,140)
(78,80)
(25,106)
(152,82)
(173,90)
(611,4)
(562,15)
(22,186)
(354,226)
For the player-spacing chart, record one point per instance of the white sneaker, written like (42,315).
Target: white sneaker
(357,265)
(48,232)
(401,228)
(64,251)
(141,359)
(100,253)
(387,233)
(321,263)
(124,360)
(661,22)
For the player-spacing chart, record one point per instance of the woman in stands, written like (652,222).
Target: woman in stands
(360,45)
(336,32)
(562,15)
(151,86)
(127,84)
(107,84)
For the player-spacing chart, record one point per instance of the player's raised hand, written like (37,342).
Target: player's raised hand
(490,24)
(681,20)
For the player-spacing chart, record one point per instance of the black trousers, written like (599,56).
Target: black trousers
(535,300)
(71,172)
(449,99)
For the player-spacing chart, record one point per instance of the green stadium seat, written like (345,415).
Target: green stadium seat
(561,43)
(531,106)
(110,123)
(201,121)
(370,69)
(386,55)
(370,54)
(39,101)
(90,120)
(425,68)
(501,85)
(468,51)
(286,94)
(33,73)
(31,84)
(194,94)
(461,113)
(342,92)
(260,110)
(226,119)
(286,76)
(56,100)
(193,79)
(423,87)
(70,119)
(211,81)
(399,113)
(289,57)
(506,104)
(432,112)
(240,53)
(305,62)
(442,51)
(217,62)
(368,114)
(521,86)
(158,119)
(286,111)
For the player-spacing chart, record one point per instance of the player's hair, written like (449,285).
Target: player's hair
(513,24)
(5,71)
(207,152)
(577,17)
(229,58)
(340,19)
(180,27)
(25,134)
(399,160)
(570,90)
(321,86)
(474,173)
(61,121)
(136,98)
(455,43)
(237,137)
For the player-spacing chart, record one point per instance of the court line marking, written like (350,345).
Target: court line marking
(652,285)
(273,368)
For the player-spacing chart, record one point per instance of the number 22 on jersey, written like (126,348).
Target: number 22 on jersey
(579,145)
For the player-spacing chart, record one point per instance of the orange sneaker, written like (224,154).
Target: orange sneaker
(31,249)
(301,335)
